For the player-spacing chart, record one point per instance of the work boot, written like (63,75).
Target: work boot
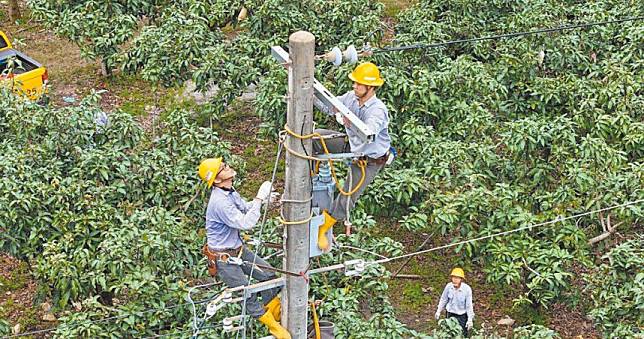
(275,307)
(323,241)
(274,327)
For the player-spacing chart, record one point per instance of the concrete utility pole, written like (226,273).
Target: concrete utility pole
(297,188)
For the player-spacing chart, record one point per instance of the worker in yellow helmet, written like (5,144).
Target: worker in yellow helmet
(362,102)
(228,257)
(457,301)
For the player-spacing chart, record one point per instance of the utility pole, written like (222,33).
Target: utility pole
(297,190)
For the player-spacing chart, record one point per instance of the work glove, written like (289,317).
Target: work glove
(437,315)
(339,118)
(469,324)
(274,197)
(264,192)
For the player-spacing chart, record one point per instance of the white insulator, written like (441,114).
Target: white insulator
(350,55)
(227,297)
(334,57)
(211,309)
(228,324)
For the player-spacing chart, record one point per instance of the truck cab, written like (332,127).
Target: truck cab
(22,74)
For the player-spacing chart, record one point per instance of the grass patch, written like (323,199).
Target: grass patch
(28,315)
(136,94)
(527,314)
(394,7)
(415,297)
(17,280)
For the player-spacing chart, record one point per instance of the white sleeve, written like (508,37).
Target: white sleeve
(233,217)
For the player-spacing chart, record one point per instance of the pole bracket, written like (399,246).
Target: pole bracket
(327,98)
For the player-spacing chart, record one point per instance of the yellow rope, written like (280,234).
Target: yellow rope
(316,322)
(297,222)
(361,163)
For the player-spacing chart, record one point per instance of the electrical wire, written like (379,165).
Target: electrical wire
(259,236)
(362,164)
(558,219)
(502,36)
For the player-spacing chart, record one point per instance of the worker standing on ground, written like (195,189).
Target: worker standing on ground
(362,102)
(457,301)
(228,257)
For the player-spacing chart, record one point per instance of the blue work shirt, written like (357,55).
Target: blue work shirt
(375,115)
(457,301)
(228,213)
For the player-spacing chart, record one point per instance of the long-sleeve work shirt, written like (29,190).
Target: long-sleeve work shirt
(375,115)
(457,301)
(228,213)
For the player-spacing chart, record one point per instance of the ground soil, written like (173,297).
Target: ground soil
(18,301)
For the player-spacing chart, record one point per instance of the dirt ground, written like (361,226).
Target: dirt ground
(18,298)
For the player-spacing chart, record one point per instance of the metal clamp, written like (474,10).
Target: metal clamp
(353,267)
(254,242)
(327,98)
(235,261)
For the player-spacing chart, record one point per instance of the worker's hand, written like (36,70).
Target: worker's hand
(339,118)
(274,197)
(437,315)
(469,324)
(347,122)
(264,191)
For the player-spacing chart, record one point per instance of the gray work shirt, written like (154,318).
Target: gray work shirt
(228,213)
(375,115)
(457,301)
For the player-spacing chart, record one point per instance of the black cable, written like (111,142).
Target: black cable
(502,36)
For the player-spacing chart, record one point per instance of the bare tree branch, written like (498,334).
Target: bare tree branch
(607,227)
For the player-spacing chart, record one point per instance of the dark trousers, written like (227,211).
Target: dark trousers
(462,320)
(237,275)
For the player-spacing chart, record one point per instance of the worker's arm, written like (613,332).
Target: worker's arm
(469,306)
(328,110)
(376,120)
(233,217)
(443,301)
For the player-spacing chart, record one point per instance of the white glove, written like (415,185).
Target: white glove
(274,197)
(264,191)
(469,324)
(437,315)
(339,118)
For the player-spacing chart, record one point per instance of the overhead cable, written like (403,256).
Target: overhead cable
(503,36)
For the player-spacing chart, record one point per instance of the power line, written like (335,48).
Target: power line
(558,219)
(504,36)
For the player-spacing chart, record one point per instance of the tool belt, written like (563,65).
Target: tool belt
(376,161)
(223,256)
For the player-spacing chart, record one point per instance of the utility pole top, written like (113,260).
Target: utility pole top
(301,37)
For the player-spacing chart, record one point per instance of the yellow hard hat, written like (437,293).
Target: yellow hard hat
(208,170)
(367,74)
(458,272)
